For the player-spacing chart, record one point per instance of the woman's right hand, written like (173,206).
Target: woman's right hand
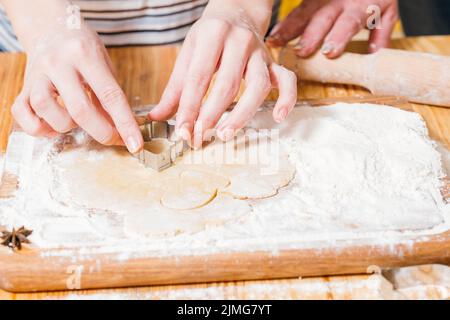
(72,66)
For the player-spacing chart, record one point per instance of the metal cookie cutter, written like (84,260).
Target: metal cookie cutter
(161,148)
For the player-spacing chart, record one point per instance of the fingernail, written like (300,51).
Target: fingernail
(184,132)
(373,47)
(303,48)
(226,134)
(133,144)
(209,134)
(300,45)
(198,141)
(175,136)
(198,135)
(327,48)
(282,114)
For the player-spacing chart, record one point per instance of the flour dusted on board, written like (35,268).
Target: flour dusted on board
(361,172)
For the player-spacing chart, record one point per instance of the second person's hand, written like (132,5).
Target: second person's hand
(333,23)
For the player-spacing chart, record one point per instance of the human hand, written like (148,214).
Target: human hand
(73,66)
(226,41)
(333,23)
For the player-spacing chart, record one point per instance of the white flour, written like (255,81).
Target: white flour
(365,173)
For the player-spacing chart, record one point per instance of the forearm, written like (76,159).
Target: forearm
(31,20)
(257,11)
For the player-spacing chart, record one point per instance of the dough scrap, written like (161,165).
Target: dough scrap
(251,185)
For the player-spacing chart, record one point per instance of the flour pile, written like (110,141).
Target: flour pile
(361,166)
(362,171)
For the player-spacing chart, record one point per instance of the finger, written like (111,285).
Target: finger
(108,61)
(103,112)
(101,79)
(199,75)
(28,120)
(286,82)
(381,38)
(81,108)
(347,25)
(258,86)
(226,85)
(316,30)
(294,24)
(44,103)
(168,105)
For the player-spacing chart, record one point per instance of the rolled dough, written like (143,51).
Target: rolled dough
(187,197)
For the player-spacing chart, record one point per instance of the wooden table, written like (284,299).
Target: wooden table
(143,81)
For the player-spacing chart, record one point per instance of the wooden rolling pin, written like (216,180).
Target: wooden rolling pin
(419,77)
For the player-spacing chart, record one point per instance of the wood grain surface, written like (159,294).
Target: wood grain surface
(143,81)
(36,269)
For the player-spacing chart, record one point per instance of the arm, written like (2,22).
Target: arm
(227,41)
(70,63)
(33,19)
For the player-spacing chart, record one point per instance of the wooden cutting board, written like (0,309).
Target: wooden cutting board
(143,78)
(35,269)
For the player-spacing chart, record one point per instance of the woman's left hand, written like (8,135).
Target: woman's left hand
(226,41)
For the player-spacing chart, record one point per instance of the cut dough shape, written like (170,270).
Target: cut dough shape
(186,197)
(246,186)
(192,190)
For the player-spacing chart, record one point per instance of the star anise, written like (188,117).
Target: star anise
(15,238)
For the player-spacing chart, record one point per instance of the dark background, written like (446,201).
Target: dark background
(425,17)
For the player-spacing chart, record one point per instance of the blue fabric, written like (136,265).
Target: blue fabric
(143,24)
